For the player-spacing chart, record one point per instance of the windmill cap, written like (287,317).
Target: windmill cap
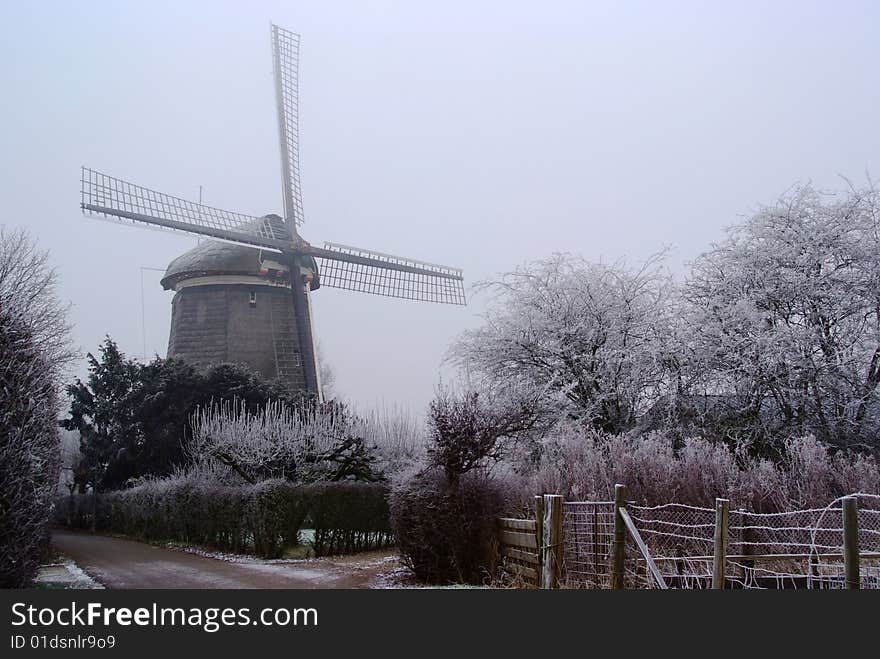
(214,257)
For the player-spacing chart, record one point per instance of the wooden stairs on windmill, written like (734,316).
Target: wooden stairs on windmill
(285,340)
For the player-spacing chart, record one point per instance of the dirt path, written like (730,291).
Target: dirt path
(120,563)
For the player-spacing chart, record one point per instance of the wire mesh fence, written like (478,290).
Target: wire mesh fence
(587,540)
(802,548)
(782,550)
(680,539)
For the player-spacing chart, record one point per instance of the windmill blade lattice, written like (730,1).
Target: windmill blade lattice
(366,271)
(114,198)
(285,58)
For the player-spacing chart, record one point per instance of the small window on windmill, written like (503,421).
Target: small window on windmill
(253,300)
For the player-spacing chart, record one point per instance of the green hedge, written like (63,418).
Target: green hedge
(263,519)
(348,518)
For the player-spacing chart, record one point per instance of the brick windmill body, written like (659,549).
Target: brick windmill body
(233,304)
(244,296)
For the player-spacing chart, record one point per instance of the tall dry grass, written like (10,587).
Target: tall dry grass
(585,465)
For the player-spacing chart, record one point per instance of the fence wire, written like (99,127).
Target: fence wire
(588,537)
(784,550)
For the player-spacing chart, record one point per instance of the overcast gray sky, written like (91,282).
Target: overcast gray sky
(478,134)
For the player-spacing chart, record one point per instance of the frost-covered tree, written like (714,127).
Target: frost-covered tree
(784,319)
(596,335)
(309,444)
(28,284)
(33,353)
(467,429)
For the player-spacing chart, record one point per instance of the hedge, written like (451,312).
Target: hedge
(262,519)
(29,450)
(348,518)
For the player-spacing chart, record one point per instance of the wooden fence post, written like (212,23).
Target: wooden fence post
(539,537)
(722,520)
(551,545)
(851,541)
(619,547)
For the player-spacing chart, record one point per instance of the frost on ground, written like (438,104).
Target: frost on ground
(235,558)
(388,571)
(382,568)
(64,574)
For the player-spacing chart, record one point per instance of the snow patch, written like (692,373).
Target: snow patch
(66,574)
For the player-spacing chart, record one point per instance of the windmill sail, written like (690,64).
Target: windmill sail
(366,271)
(111,197)
(285,59)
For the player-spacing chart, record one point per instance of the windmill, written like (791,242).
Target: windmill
(245,295)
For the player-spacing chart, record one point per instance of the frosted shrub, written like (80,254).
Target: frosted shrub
(702,471)
(304,445)
(583,464)
(231,444)
(571,462)
(809,473)
(397,437)
(759,486)
(271,443)
(812,476)
(857,473)
(645,465)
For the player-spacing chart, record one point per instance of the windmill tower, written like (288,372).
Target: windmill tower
(245,295)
